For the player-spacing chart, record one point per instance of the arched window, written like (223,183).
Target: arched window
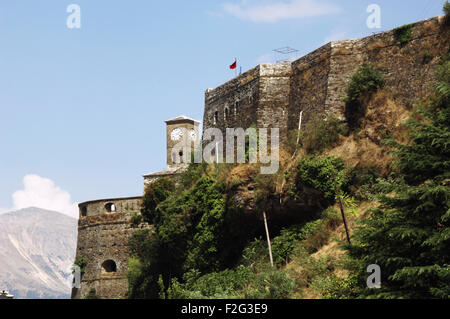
(180,153)
(110,207)
(109,266)
(83,211)
(226,113)
(216,117)
(236,107)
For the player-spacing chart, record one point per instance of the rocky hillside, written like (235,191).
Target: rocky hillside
(37,249)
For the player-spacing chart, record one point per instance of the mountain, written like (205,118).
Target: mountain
(37,249)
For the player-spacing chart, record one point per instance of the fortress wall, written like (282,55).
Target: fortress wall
(408,70)
(308,87)
(274,91)
(104,236)
(243,90)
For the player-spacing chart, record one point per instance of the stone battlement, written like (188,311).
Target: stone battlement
(273,95)
(268,96)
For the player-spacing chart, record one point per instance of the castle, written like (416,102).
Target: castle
(269,95)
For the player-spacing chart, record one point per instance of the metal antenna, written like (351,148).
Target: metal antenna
(285,54)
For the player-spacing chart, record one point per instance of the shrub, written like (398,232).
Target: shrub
(321,133)
(155,193)
(350,204)
(403,34)
(92,294)
(136,219)
(224,284)
(255,254)
(333,287)
(310,267)
(193,173)
(331,219)
(283,245)
(443,75)
(362,181)
(446,9)
(365,81)
(318,173)
(316,241)
(81,262)
(274,284)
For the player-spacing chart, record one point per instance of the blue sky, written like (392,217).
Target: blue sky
(83,110)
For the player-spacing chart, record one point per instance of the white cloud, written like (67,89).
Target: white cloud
(276,10)
(43,193)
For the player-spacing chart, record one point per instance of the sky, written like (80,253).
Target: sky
(82,110)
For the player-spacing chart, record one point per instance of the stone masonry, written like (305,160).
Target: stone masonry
(273,95)
(269,95)
(104,228)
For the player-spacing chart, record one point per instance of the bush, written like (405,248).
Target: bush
(318,173)
(320,133)
(283,245)
(362,181)
(316,241)
(136,220)
(365,81)
(331,219)
(81,262)
(310,267)
(155,193)
(224,284)
(193,173)
(403,34)
(333,287)
(92,294)
(255,255)
(446,9)
(274,284)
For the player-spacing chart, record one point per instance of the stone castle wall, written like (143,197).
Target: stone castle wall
(103,237)
(274,95)
(269,95)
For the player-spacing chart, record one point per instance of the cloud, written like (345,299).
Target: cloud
(273,11)
(43,193)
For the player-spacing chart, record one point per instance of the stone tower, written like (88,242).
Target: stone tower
(104,227)
(182,133)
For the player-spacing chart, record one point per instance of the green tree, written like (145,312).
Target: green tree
(409,235)
(447,12)
(155,193)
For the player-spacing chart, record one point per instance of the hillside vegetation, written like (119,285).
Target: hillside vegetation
(390,166)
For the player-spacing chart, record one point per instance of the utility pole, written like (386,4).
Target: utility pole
(268,237)
(298,135)
(338,193)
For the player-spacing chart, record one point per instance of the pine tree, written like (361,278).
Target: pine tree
(408,236)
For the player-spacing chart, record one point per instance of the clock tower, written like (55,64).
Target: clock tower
(182,134)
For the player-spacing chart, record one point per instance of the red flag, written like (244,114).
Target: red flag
(234,65)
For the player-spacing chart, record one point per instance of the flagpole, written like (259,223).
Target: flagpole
(235,69)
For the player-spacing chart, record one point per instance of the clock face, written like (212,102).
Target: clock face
(193,135)
(176,134)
